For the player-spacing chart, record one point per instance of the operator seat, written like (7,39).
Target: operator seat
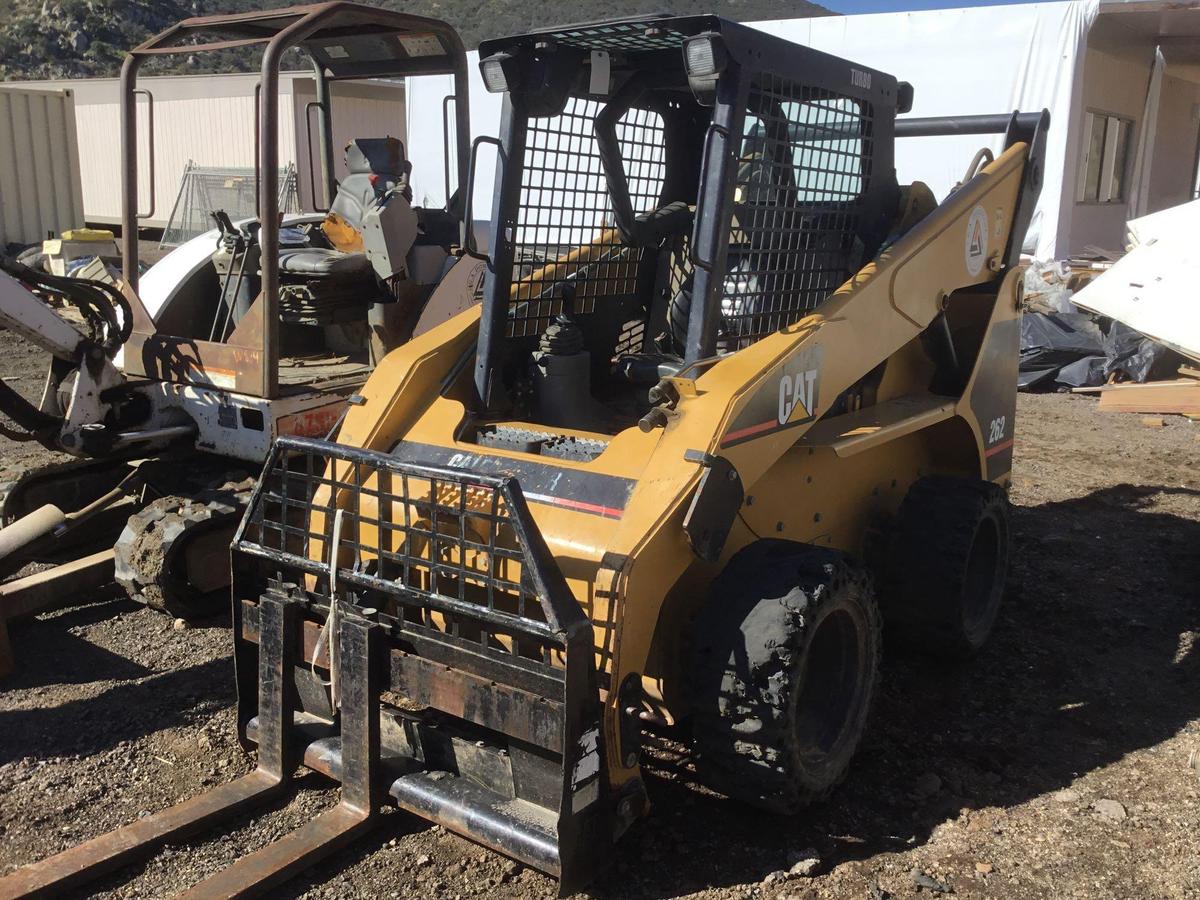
(666,227)
(376,166)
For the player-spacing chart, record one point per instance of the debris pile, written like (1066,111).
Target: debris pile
(1126,327)
(88,253)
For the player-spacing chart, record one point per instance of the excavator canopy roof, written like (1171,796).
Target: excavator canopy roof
(348,40)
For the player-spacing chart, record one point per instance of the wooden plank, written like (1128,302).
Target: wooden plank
(1128,386)
(1138,385)
(55,587)
(1178,397)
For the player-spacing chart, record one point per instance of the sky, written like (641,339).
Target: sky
(874,6)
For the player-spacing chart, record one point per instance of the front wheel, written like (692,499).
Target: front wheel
(785,660)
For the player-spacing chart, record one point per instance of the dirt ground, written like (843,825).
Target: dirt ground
(1055,764)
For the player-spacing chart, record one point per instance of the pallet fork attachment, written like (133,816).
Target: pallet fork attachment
(490,723)
(497,737)
(276,764)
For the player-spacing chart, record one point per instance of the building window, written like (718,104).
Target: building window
(1107,141)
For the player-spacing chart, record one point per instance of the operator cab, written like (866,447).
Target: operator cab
(313,302)
(671,190)
(351,283)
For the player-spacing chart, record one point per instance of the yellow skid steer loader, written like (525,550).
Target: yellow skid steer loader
(733,397)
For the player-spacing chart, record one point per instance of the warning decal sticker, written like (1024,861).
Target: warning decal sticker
(422,45)
(977,241)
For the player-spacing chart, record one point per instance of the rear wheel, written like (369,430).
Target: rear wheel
(785,660)
(947,564)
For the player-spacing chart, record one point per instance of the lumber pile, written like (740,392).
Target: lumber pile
(1180,397)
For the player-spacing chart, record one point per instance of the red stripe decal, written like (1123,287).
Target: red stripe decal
(768,427)
(579,505)
(994,450)
(749,430)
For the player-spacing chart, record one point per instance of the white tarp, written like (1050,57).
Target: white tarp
(991,59)
(1152,288)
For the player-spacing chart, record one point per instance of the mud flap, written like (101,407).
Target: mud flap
(489,719)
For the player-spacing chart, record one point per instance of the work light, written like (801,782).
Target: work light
(500,72)
(705,55)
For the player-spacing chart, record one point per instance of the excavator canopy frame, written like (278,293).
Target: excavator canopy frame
(344,41)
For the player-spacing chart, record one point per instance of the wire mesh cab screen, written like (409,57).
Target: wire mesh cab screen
(805,162)
(813,185)
(565,229)
(623,37)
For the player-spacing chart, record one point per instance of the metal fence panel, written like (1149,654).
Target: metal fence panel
(205,189)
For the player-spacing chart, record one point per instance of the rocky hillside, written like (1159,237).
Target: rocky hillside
(88,38)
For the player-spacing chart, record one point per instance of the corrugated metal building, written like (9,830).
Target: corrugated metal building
(210,120)
(39,165)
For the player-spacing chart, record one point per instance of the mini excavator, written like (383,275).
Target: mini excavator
(170,391)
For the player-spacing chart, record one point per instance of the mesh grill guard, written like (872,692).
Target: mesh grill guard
(442,555)
(565,230)
(627,37)
(805,161)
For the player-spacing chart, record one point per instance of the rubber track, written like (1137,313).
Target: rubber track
(149,549)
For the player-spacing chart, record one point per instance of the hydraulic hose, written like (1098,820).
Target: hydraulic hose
(109,319)
(97,301)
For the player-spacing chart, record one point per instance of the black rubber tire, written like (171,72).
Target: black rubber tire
(946,565)
(149,555)
(784,664)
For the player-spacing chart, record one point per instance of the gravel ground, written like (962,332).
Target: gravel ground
(1055,764)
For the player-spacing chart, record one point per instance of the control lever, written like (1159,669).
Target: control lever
(237,244)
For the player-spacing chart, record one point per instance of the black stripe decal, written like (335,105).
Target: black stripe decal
(589,492)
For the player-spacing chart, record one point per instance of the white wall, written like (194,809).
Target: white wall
(39,165)
(206,118)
